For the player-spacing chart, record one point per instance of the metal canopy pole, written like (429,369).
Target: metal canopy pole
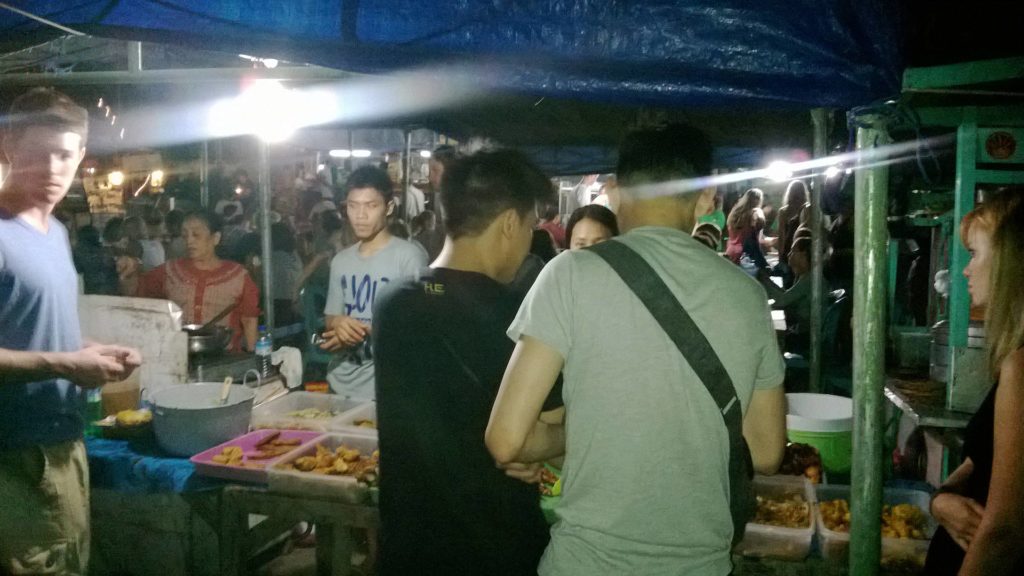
(407,172)
(870,235)
(819,118)
(268,277)
(204,176)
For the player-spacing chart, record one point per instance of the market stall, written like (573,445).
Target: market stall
(743,59)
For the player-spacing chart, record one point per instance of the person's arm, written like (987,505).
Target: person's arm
(958,514)
(800,291)
(764,422)
(764,427)
(308,271)
(515,432)
(340,330)
(250,331)
(996,548)
(89,367)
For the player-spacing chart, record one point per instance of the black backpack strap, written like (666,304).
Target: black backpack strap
(666,309)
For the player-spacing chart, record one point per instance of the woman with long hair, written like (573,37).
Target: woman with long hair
(981,505)
(793,204)
(745,223)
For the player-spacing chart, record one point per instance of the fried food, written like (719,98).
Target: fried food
(311,414)
(801,460)
(267,448)
(305,464)
(133,417)
(230,456)
(342,461)
(903,521)
(790,511)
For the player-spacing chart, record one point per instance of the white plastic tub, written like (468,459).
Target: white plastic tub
(347,421)
(279,413)
(836,545)
(764,541)
(342,488)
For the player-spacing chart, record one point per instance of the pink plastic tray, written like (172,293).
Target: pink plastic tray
(206,466)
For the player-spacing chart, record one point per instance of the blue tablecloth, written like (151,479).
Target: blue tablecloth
(141,467)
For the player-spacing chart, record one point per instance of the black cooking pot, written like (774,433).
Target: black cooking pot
(208,341)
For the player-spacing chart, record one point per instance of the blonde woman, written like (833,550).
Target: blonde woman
(745,223)
(981,505)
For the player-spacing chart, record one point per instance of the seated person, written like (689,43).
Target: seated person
(797,300)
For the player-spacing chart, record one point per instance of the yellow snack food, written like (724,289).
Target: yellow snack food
(133,417)
(903,521)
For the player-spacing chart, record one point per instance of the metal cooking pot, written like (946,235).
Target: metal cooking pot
(189,418)
(208,340)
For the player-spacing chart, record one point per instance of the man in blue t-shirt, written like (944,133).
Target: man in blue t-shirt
(44,478)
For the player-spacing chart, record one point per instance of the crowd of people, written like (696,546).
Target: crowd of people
(494,342)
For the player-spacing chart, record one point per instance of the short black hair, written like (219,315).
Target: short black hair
(175,218)
(371,177)
(213,222)
(594,212)
(46,107)
(662,154)
(113,230)
(88,235)
(445,155)
(477,188)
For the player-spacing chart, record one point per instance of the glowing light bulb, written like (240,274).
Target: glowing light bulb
(115,178)
(779,171)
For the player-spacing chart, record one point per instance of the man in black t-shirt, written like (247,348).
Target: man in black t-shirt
(441,349)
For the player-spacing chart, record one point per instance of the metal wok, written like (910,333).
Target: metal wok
(207,340)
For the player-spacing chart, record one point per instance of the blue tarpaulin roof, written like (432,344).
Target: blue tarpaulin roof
(745,54)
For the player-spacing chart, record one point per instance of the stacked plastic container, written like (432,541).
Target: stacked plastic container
(342,488)
(836,545)
(323,413)
(764,541)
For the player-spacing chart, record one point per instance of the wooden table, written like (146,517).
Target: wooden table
(333,519)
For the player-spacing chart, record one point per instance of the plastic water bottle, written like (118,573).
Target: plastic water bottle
(264,347)
(93,411)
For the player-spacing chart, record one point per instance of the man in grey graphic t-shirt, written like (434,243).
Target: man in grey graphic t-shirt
(358,273)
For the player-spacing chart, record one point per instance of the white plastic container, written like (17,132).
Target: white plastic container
(280,413)
(347,421)
(836,545)
(764,541)
(343,488)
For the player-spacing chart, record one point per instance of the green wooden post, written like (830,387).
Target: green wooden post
(893,280)
(819,119)
(959,309)
(868,358)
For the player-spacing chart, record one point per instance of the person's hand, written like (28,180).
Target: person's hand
(344,332)
(130,358)
(529,473)
(959,515)
(94,366)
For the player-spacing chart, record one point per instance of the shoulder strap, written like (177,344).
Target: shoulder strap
(641,278)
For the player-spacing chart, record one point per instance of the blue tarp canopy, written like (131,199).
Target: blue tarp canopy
(668,53)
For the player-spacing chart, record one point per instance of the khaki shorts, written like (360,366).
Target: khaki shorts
(44,510)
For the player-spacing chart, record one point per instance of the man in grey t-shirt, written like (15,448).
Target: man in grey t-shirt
(645,484)
(358,273)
